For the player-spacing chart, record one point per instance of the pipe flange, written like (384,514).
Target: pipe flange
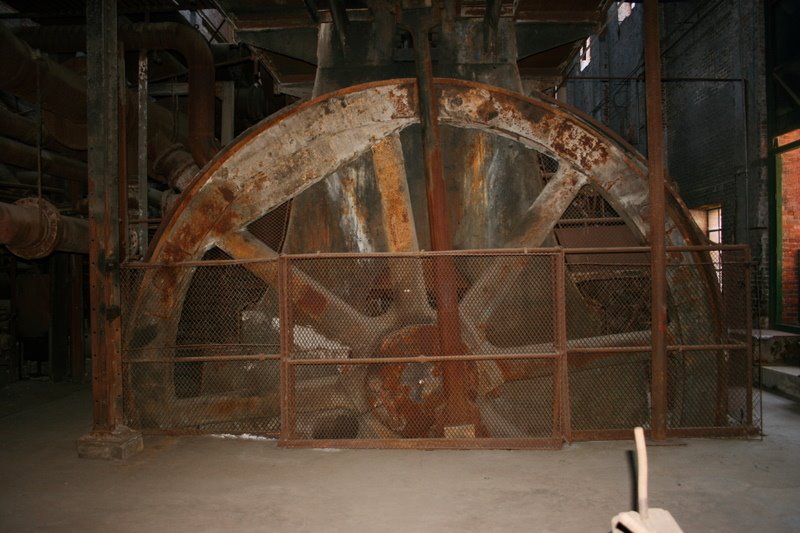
(46,243)
(176,165)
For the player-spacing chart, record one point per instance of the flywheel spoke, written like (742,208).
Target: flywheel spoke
(500,276)
(329,314)
(407,278)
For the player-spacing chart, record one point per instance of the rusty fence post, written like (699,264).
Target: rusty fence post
(656,166)
(288,408)
(109,439)
(748,302)
(562,366)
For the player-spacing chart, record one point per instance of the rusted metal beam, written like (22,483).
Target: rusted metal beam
(658,259)
(141,153)
(76,350)
(460,410)
(560,17)
(491,21)
(399,226)
(329,313)
(340,21)
(548,207)
(104,214)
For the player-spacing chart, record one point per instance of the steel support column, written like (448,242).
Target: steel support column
(656,165)
(141,154)
(461,416)
(76,318)
(108,438)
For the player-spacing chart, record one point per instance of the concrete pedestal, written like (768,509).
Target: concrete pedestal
(784,379)
(120,443)
(776,347)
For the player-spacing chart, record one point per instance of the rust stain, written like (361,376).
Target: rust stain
(171,253)
(415,399)
(399,393)
(487,111)
(390,173)
(228,222)
(477,165)
(575,144)
(404,101)
(227,193)
(531,113)
(311,300)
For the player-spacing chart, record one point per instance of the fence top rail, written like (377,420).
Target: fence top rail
(201,263)
(491,252)
(646,249)
(427,253)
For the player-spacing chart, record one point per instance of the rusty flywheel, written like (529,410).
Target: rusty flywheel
(336,136)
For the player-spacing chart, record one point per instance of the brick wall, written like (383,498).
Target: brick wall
(617,101)
(714,108)
(789,172)
(705,120)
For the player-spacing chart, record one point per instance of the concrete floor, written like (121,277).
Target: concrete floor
(212,484)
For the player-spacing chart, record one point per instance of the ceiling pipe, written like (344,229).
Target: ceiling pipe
(26,72)
(200,61)
(155,36)
(24,129)
(60,39)
(168,161)
(26,156)
(32,228)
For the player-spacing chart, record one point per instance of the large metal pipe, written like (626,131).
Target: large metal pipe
(26,73)
(23,128)
(156,36)
(168,160)
(32,228)
(19,127)
(26,156)
(193,47)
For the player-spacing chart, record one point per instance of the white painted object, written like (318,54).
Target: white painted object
(646,520)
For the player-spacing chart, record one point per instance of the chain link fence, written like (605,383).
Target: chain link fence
(461,349)
(367,363)
(208,363)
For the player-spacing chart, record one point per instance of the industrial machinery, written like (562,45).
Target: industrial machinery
(354,171)
(420,253)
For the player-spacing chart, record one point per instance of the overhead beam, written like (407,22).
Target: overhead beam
(298,43)
(534,37)
(560,17)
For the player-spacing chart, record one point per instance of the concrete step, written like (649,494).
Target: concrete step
(776,347)
(784,379)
